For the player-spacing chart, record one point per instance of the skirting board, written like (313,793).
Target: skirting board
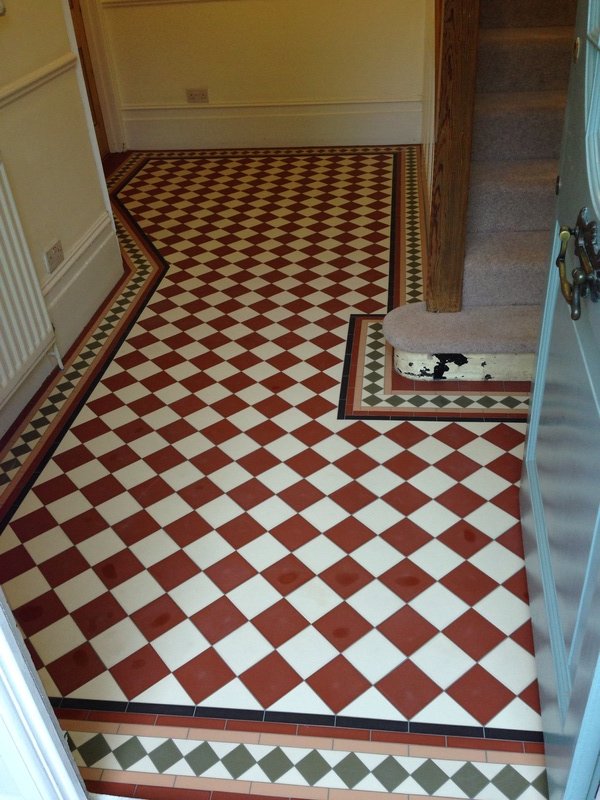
(87,276)
(180,127)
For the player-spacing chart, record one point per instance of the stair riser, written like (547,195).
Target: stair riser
(504,286)
(517,67)
(506,208)
(527,13)
(523,134)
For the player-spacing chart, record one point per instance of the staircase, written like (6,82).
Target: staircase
(523,68)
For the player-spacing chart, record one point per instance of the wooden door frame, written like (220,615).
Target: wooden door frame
(457,26)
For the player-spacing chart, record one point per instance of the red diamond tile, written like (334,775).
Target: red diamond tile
(279,622)
(523,636)
(103,405)
(187,529)
(474,634)
(517,584)
(265,432)
(480,694)
(406,465)
(158,617)
(408,630)
(531,696)
(468,583)
(504,436)
(73,458)
(133,430)
(250,494)
(102,490)
(175,431)
(136,527)
(508,501)
(271,406)
(408,689)
(312,433)
(338,683)
(349,534)
(119,458)
(287,574)
(40,612)
(512,539)
(164,459)
(455,435)
(406,434)
(457,466)
(358,434)
(211,460)
(406,498)
(151,491)
(406,537)
(14,562)
(316,406)
(356,464)
(346,577)
(306,462)
(63,566)
(118,568)
(98,615)
(301,495)
(342,626)
(75,669)
(464,539)
(199,493)
(203,675)
(54,489)
(230,572)
(31,525)
(87,431)
(145,405)
(460,500)
(241,530)
(139,671)
(407,580)
(258,461)
(173,570)
(220,432)
(187,405)
(294,532)
(507,466)
(271,679)
(218,619)
(319,383)
(352,497)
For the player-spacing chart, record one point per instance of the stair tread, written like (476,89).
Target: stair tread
(517,249)
(480,329)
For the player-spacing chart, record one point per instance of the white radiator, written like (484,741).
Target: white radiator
(26,333)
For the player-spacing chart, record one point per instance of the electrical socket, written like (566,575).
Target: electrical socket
(54,256)
(197,95)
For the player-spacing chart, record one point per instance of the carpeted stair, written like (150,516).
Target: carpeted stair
(523,68)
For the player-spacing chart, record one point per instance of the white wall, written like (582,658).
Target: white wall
(279,72)
(53,170)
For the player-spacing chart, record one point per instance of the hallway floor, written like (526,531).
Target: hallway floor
(196,532)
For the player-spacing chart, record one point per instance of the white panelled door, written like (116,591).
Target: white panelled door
(561,479)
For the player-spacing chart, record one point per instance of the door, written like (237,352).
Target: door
(561,479)
(88,76)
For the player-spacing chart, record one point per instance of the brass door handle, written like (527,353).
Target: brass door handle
(586,277)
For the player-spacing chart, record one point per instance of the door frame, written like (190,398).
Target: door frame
(104,70)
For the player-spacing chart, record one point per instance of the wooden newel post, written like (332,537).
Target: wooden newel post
(459,24)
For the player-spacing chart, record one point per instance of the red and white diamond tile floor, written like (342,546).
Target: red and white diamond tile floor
(209,533)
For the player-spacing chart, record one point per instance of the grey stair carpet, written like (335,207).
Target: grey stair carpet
(523,69)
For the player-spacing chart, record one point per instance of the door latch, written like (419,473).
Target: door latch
(586,277)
